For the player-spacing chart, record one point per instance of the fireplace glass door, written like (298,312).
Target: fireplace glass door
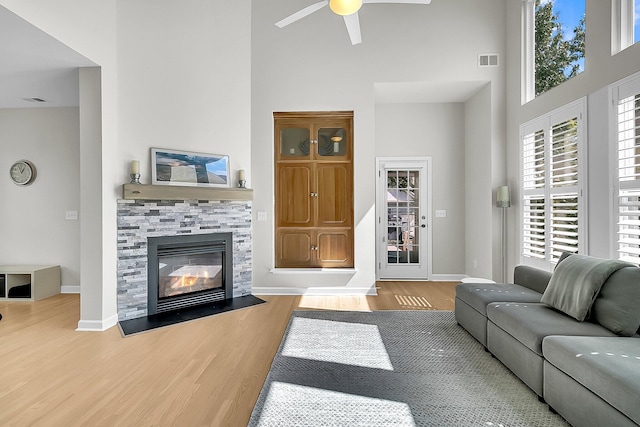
(188,271)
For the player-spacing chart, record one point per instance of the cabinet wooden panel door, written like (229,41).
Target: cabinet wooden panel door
(334,195)
(294,195)
(334,248)
(294,247)
(313,189)
(314,247)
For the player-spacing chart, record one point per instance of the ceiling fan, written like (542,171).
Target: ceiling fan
(348,9)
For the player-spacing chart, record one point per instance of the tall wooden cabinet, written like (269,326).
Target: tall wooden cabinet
(314,189)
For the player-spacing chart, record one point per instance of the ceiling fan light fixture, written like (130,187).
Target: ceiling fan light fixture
(345,7)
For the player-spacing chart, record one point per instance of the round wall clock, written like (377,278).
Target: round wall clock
(22,172)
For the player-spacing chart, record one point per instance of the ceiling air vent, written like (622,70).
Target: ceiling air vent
(488,60)
(34,100)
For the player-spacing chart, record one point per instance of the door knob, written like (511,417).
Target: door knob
(423,225)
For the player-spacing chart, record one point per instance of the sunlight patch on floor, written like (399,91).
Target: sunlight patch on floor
(287,404)
(353,344)
(339,303)
(411,301)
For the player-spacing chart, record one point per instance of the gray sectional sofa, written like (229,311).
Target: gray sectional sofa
(571,335)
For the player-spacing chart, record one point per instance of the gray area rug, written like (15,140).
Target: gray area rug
(390,368)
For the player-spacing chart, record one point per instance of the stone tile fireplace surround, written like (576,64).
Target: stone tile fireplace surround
(139,219)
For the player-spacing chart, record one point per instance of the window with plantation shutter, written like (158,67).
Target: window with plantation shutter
(627,201)
(552,213)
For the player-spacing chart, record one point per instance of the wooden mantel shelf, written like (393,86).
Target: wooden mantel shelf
(174,192)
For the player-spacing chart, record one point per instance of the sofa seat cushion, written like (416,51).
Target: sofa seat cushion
(530,323)
(609,367)
(478,295)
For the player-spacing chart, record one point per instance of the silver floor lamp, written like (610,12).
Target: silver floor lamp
(503,201)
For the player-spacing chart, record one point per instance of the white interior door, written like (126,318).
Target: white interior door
(403,236)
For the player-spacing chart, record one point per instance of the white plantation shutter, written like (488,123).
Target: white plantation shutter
(534,241)
(627,100)
(533,186)
(552,218)
(564,188)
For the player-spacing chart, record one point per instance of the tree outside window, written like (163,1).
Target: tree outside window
(559,49)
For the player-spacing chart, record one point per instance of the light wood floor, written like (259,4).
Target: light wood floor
(206,372)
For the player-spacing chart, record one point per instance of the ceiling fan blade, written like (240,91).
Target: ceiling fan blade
(302,13)
(353,27)
(398,1)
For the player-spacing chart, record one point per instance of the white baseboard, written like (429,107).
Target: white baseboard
(314,291)
(97,325)
(447,277)
(310,271)
(70,289)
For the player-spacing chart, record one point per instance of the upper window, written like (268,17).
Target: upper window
(553,43)
(553,216)
(625,24)
(626,101)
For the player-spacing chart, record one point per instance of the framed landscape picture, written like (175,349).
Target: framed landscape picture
(172,167)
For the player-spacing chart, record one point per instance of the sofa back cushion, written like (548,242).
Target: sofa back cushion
(531,277)
(617,307)
(576,282)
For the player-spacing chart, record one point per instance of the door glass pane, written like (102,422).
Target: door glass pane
(403,217)
(412,179)
(402,179)
(392,180)
(332,142)
(294,142)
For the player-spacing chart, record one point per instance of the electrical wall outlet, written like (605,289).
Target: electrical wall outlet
(72,215)
(262,216)
(441,213)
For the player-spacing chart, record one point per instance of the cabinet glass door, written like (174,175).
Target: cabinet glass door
(332,142)
(294,142)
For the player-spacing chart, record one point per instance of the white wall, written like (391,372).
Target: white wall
(184,81)
(404,130)
(311,65)
(34,228)
(601,70)
(481,232)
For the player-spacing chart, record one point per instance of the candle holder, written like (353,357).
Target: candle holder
(135,178)
(242,183)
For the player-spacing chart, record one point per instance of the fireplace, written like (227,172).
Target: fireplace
(189,270)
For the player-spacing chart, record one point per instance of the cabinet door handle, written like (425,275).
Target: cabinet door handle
(313,194)
(314,248)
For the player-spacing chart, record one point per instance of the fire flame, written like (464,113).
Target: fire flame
(188,281)
(184,282)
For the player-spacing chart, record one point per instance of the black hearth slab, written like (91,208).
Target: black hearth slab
(142,324)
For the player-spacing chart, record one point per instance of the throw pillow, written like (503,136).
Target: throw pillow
(575,284)
(563,256)
(617,307)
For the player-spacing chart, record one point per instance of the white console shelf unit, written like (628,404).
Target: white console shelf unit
(44,280)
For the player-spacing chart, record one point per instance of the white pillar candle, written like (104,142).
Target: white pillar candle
(241,175)
(135,166)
